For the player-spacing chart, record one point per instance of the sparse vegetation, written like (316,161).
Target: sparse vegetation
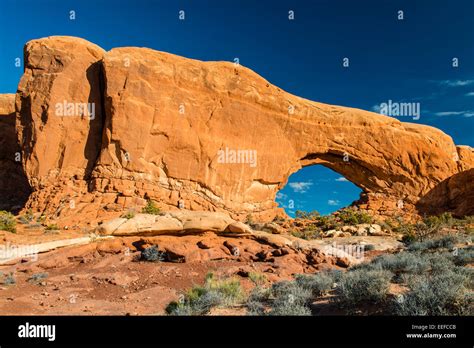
(431,274)
(201,299)
(151,208)
(129,215)
(319,283)
(38,277)
(52,227)
(7,221)
(249,220)
(440,294)
(27,218)
(312,215)
(351,216)
(8,279)
(308,233)
(364,286)
(257,278)
(152,254)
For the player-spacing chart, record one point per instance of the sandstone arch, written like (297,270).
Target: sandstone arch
(150,148)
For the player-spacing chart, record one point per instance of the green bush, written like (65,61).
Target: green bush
(151,208)
(7,221)
(446,242)
(328,222)
(312,215)
(308,233)
(351,216)
(257,278)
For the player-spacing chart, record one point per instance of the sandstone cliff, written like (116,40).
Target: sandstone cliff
(166,127)
(14,188)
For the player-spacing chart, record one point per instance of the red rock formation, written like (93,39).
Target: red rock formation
(14,189)
(171,125)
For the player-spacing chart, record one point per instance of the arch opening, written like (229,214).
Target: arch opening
(317,187)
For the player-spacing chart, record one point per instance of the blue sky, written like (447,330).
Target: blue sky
(407,60)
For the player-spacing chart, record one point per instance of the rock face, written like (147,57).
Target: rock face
(203,136)
(59,116)
(14,188)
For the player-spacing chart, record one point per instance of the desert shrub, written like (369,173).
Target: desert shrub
(201,299)
(229,289)
(290,299)
(8,279)
(307,233)
(52,227)
(7,221)
(351,216)
(319,283)
(128,215)
(463,256)
(388,224)
(440,262)
(35,278)
(446,242)
(151,208)
(312,215)
(278,219)
(402,262)
(27,218)
(283,306)
(440,294)
(249,220)
(364,286)
(328,222)
(257,278)
(443,220)
(152,254)
(258,300)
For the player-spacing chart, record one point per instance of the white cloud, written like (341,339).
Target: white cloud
(333,202)
(301,186)
(280,195)
(470,94)
(465,113)
(341,178)
(456,83)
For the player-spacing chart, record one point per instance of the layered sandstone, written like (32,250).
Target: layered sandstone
(163,123)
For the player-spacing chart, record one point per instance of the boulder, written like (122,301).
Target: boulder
(239,227)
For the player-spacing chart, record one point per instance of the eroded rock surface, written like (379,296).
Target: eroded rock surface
(167,128)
